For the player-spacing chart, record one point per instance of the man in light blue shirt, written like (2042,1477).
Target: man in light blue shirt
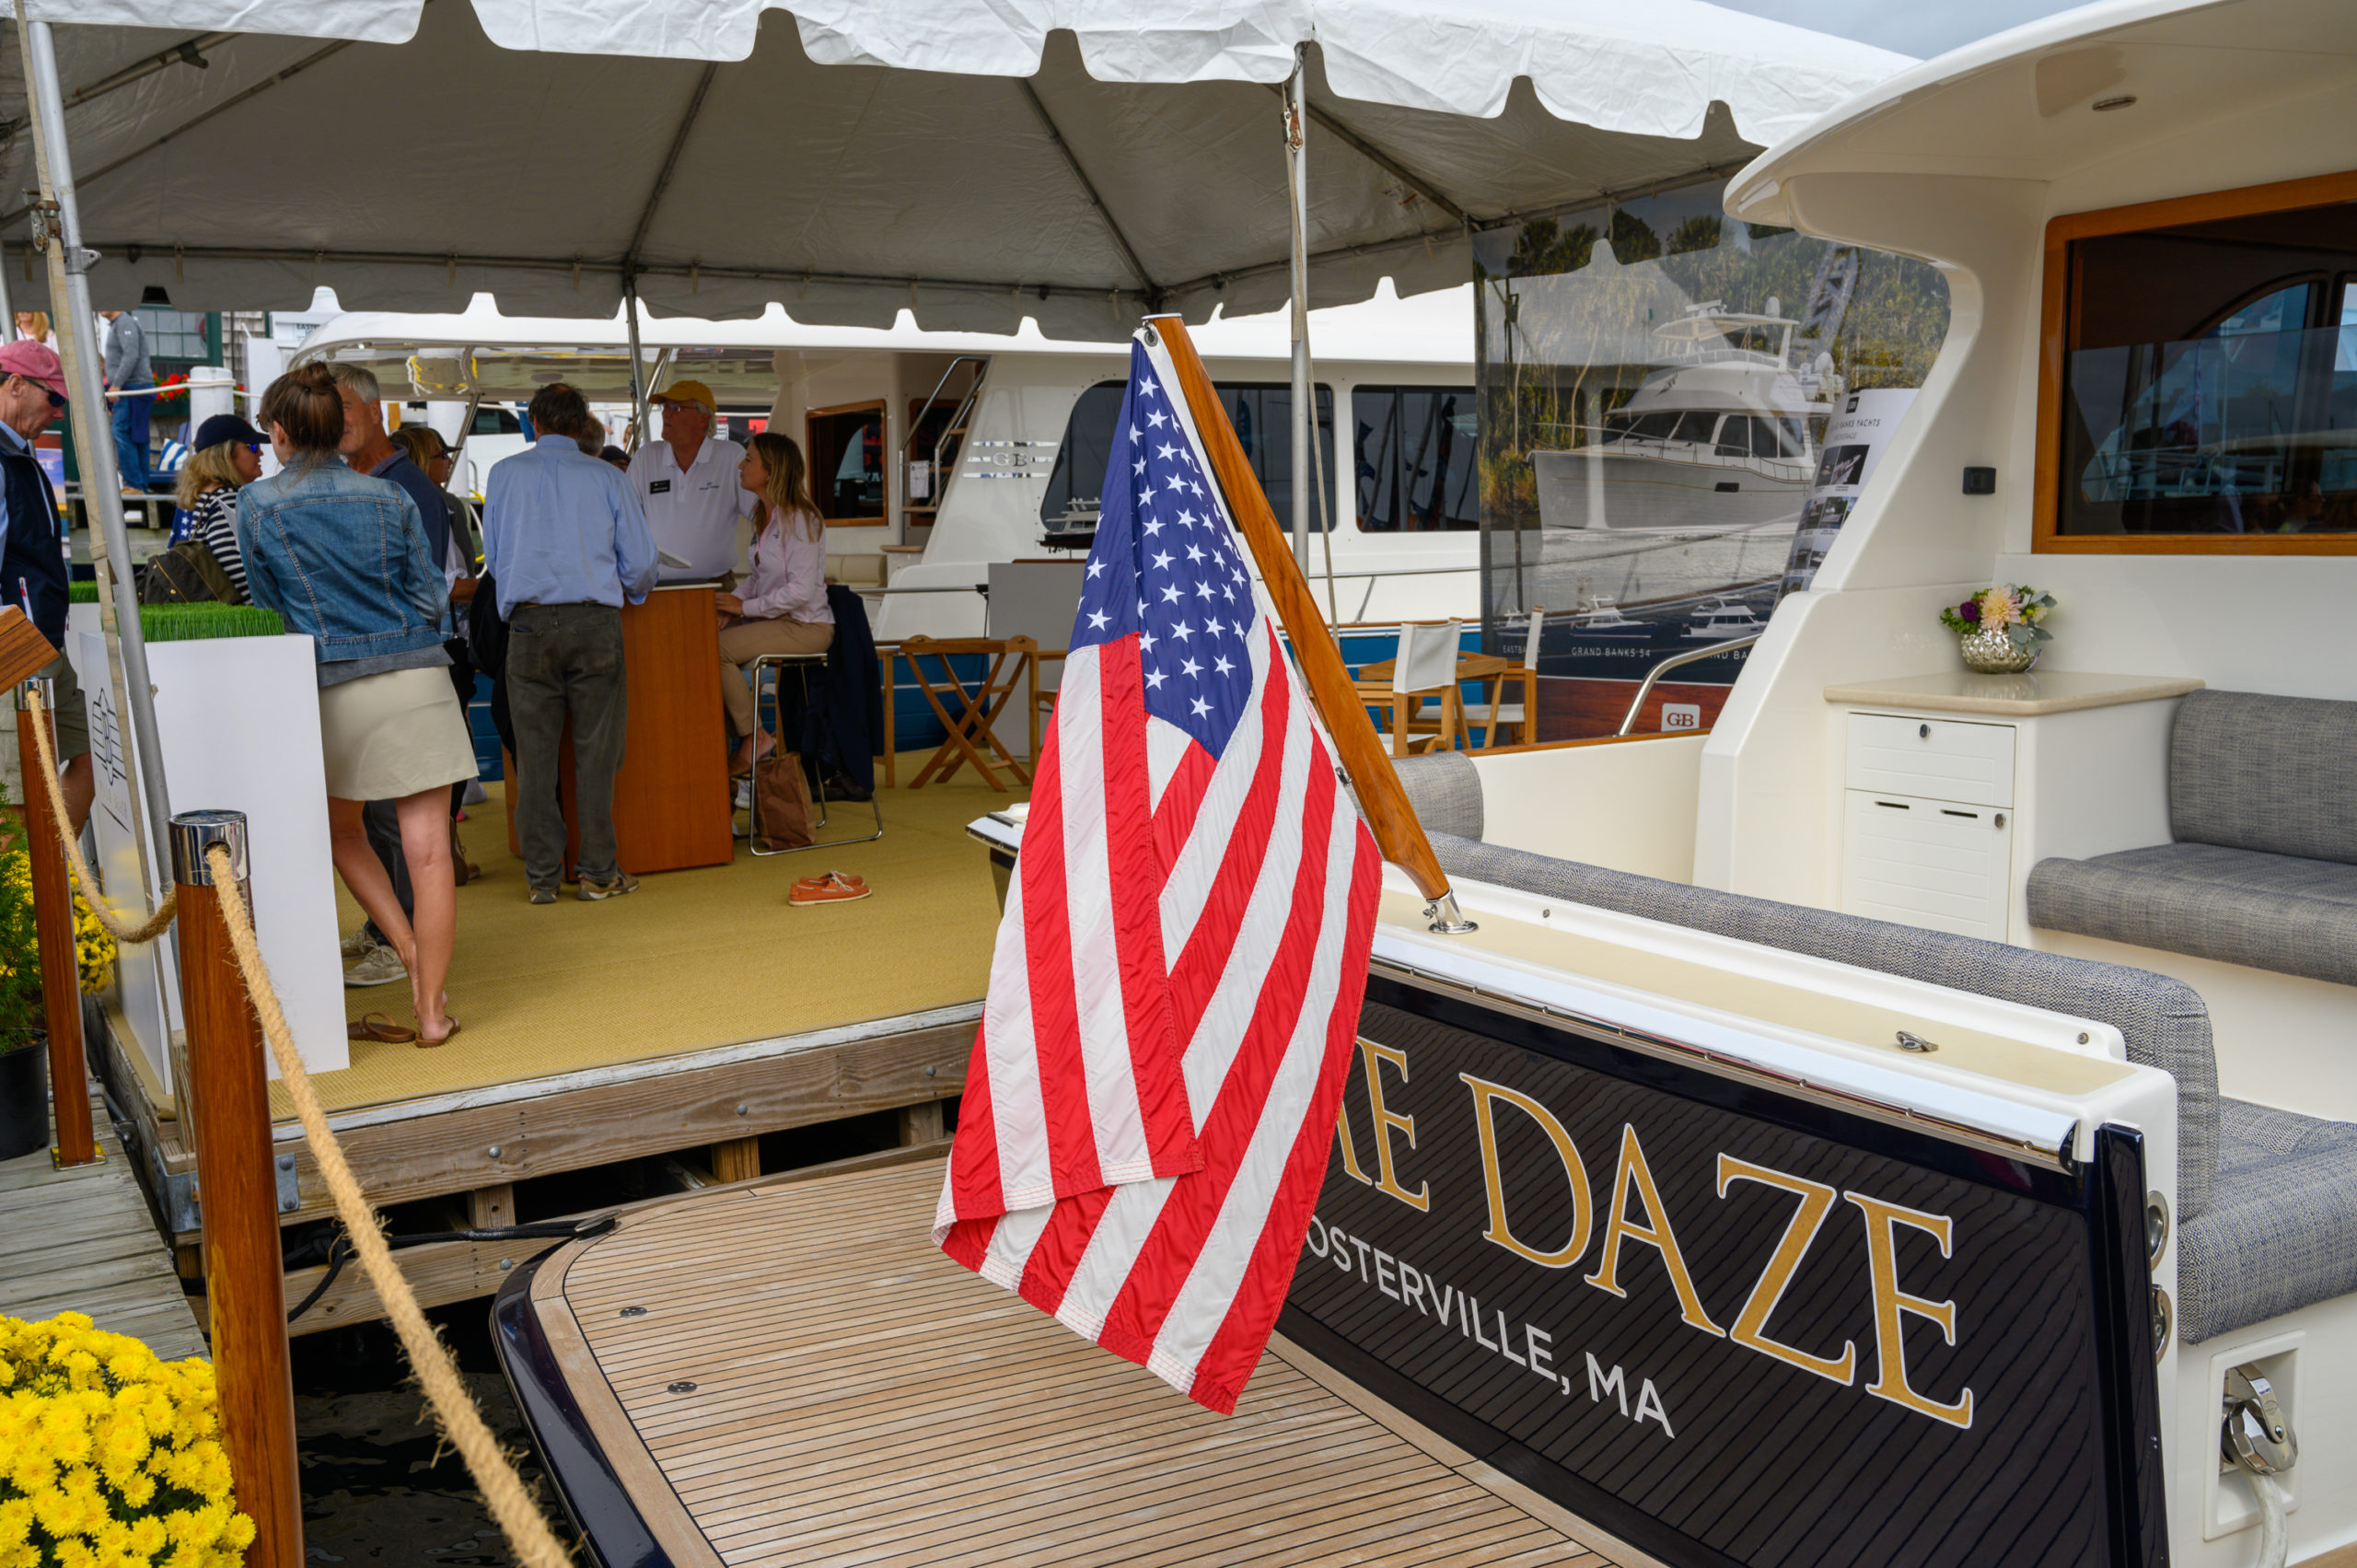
(566,543)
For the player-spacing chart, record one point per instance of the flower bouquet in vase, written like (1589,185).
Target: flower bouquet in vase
(1999,630)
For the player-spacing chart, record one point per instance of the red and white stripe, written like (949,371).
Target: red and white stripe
(1172,1008)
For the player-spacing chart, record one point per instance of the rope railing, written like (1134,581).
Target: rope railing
(511,1502)
(503,1489)
(122,927)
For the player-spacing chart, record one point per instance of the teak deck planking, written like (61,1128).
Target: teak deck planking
(84,1240)
(859,1397)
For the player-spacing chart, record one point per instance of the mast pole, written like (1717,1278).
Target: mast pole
(637,433)
(1382,799)
(69,293)
(1298,210)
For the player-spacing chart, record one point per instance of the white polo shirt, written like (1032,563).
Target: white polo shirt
(692,515)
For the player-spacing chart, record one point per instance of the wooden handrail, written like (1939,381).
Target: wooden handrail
(1397,833)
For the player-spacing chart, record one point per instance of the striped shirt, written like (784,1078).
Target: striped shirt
(213,522)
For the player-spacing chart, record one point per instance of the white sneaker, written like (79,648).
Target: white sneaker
(744,795)
(381,966)
(356,946)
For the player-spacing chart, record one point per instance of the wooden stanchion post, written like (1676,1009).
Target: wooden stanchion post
(61,968)
(245,1282)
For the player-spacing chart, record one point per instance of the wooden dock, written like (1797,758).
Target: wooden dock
(84,1240)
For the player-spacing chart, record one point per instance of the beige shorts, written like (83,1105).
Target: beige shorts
(389,736)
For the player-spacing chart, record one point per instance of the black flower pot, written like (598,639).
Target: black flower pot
(24,1095)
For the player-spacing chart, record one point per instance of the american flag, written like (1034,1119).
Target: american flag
(1176,990)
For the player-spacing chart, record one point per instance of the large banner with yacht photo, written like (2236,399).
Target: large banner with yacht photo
(1658,382)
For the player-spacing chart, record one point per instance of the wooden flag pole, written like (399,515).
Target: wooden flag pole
(1397,833)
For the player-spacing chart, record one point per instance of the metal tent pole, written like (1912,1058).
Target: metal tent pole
(637,432)
(69,293)
(7,305)
(1298,189)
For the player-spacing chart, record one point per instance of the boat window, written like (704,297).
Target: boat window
(491,419)
(1654,427)
(1695,428)
(1413,450)
(1734,438)
(1261,413)
(2209,384)
(847,462)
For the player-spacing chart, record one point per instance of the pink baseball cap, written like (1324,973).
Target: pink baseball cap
(34,362)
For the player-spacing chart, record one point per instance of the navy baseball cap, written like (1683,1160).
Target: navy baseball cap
(224,427)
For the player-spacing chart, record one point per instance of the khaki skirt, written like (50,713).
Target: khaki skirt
(388,736)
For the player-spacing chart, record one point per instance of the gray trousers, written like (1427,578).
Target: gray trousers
(566,659)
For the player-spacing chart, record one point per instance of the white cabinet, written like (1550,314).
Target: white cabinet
(1926,834)
(1941,863)
(1938,758)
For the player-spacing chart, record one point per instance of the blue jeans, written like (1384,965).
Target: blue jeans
(131,415)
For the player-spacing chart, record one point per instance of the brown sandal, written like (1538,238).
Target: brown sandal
(425,1044)
(376,1026)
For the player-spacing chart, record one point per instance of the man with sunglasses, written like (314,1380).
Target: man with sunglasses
(32,561)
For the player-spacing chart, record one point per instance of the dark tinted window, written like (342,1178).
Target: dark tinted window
(1262,415)
(1413,459)
(1695,428)
(491,419)
(847,463)
(2212,382)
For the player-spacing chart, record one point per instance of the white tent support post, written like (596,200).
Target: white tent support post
(635,436)
(1297,190)
(7,305)
(77,326)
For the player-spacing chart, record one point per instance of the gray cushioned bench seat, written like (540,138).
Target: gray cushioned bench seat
(2239,906)
(2280,1232)
(2263,871)
(2267,1200)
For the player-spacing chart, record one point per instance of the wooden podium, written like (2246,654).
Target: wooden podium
(671,796)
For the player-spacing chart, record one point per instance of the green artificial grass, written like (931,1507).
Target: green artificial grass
(186,623)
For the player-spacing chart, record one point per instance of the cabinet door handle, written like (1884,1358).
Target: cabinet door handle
(1924,731)
(2000,818)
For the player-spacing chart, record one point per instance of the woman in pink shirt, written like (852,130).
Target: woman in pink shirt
(781,606)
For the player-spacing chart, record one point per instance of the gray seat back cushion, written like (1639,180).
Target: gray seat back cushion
(2254,771)
(2281,1230)
(2164,1021)
(1444,792)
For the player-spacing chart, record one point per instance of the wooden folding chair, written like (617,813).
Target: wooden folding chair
(1012,667)
(1497,715)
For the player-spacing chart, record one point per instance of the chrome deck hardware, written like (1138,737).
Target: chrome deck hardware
(2255,1434)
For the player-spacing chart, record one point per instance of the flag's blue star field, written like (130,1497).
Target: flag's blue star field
(1165,568)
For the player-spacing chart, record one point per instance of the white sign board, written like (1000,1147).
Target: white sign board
(1854,440)
(1681,718)
(239,721)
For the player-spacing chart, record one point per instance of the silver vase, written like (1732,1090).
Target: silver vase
(1992,652)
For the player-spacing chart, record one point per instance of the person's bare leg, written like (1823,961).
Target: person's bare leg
(426,844)
(76,782)
(364,873)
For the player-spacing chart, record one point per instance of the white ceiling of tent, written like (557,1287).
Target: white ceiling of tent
(977,162)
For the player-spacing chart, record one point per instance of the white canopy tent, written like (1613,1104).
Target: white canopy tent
(1072,161)
(976,162)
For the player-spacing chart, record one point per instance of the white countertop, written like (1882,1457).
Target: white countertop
(2027,695)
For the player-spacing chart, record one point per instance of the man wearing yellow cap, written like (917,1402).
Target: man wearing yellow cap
(687,485)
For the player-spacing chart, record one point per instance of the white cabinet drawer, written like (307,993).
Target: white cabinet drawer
(1928,863)
(1937,758)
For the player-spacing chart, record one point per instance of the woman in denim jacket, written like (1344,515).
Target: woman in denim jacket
(342,559)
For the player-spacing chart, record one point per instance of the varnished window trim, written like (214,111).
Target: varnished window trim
(2055,291)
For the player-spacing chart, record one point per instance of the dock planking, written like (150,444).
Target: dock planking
(84,1240)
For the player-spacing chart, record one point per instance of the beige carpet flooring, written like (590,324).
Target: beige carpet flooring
(693,959)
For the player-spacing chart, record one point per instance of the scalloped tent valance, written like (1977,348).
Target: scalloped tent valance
(979,161)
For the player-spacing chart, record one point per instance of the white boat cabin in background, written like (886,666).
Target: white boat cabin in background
(2146,214)
(936,455)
